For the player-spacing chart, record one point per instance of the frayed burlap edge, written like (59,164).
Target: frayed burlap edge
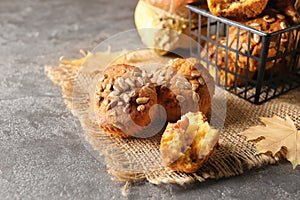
(137,159)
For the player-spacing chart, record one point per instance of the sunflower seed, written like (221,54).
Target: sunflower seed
(120,80)
(279,16)
(244,51)
(282,49)
(142,100)
(132,94)
(120,103)
(179,85)
(162,72)
(160,79)
(112,104)
(141,108)
(195,86)
(201,81)
(118,125)
(196,97)
(195,73)
(283,25)
(136,74)
(113,94)
(188,85)
(268,19)
(284,40)
(140,80)
(180,98)
(108,87)
(126,98)
(117,89)
(126,109)
(255,24)
(105,102)
(125,87)
(245,46)
(256,38)
(148,89)
(129,82)
(144,73)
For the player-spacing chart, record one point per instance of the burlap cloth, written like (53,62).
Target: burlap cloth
(137,159)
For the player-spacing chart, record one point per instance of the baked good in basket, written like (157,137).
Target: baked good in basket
(185,85)
(125,101)
(269,21)
(291,9)
(242,59)
(237,9)
(222,67)
(188,143)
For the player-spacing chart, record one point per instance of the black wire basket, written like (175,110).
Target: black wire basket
(255,76)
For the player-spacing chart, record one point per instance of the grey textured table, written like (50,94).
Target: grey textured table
(41,156)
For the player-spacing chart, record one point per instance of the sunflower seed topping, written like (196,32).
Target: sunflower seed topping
(141,108)
(195,73)
(117,89)
(136,74)
(245,46)
(283,25)
(201,81)
(121,81)
(148,89)
(180,98)
(112,104)
(142,100)
(196,97)
(195,86)
(188,85)
(268,19)
(256,38)
(126,98)
(118,125)
(255,24)
(140,80)
(122,84)
(144,73)
(179,84)
(132,94)
(126,109)
(113,95)
(279,16)
(129,82)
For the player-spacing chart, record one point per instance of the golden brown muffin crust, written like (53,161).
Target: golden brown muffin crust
(237,9)
(185,86)
(124,100)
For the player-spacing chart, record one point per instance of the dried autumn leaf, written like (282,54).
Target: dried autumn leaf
(277,133)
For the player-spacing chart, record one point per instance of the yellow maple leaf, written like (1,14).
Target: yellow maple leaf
(276,134)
